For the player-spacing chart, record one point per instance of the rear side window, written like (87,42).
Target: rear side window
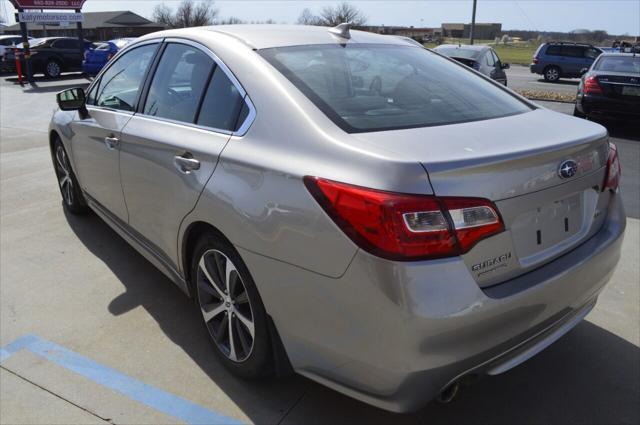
(490,59)
(573,51)
(120,84)
(66,44)
(178,84)
(222,104)
(369,87)
(554,49)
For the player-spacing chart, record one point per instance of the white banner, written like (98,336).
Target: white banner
(49,18)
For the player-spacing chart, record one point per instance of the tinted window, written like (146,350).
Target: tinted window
(120,84)
(573,51)
(496,59)
(591,53)
(490,59)
(66,44)
(413,87)
(554,50)
(630,64)
(103,46)
(221,104)
(178,83)
(458,52)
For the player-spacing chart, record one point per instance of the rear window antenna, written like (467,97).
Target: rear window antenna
(342,30)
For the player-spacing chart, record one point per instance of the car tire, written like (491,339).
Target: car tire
(231,308)
(551,74)
(52,69)
(72,197)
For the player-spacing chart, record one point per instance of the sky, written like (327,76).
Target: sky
(613,16)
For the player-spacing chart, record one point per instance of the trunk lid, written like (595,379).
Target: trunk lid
(516,162)
(619,85)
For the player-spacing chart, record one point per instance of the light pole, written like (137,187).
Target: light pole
(473,23)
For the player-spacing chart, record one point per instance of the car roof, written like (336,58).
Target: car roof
(267,35)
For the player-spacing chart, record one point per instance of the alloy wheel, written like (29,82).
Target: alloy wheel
(64,175)
(225,305)
(552,74)
(53,69)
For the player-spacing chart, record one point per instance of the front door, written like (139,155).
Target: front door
(170,149)
(95,145)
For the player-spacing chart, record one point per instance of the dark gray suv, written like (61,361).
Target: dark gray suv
(563,60)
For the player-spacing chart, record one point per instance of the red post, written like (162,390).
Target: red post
(19,67)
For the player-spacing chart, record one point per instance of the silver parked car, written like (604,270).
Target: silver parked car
(370,214)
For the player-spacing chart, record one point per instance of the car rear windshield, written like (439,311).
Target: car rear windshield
(458,52)
(365,87)
(619,64)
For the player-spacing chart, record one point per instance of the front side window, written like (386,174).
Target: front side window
(178,84)
(120,84)
(66,44)
(591,53)
(368,87)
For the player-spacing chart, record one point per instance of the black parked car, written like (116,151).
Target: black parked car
(481,58)
(52,56)
(610,88)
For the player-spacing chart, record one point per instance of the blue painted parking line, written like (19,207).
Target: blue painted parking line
(155,398)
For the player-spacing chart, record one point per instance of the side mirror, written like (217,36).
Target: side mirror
(71,99)
(583,71)
(506,66)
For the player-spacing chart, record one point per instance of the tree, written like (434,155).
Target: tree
(188,14)
(343,12)
(332,16)
(308,18)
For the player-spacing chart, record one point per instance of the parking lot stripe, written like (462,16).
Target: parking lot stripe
(155,398)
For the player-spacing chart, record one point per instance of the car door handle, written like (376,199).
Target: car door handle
(111,142)
(186,164)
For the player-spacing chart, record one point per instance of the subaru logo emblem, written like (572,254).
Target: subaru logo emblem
(568,169)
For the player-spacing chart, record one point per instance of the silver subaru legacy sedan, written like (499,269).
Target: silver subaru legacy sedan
(349,206)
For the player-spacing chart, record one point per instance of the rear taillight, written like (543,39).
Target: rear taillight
(109,56)
(591,86)
(614,170)
(535,59)
(403,227)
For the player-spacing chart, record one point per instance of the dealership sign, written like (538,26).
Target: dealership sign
(49,18)
(47,4)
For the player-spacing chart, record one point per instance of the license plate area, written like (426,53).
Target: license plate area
(631,91)
(542,231)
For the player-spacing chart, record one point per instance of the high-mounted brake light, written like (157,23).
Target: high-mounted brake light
(403,227)
(592,86)
(614,170)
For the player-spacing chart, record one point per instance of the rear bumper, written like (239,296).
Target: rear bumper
(595,105)
(395,334)
(92,68)
(535,68)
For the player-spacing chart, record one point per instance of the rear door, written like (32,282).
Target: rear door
(169,150)
(69,50)
(574,59)
(111,103)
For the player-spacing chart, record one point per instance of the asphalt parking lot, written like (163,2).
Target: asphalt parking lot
(520,78)
(90,332)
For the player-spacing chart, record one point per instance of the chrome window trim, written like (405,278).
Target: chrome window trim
(242,130)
